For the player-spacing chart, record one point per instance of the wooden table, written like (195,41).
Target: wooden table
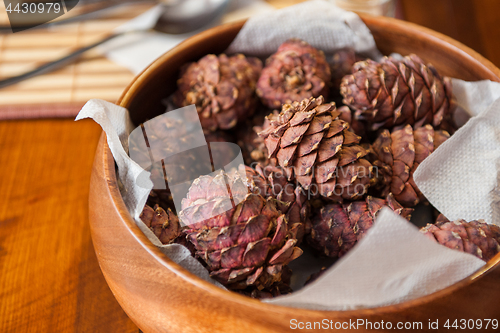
(50,280)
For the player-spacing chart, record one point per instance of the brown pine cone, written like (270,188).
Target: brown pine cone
(221,87)
(244,239)
(394,93)
(271,181)
(174,161)
(296,71)
(356,126)
(341,65)
(162,198)
(338,227)
(252,146)
(398,155)
(475,237)
(314,147)
(164,224)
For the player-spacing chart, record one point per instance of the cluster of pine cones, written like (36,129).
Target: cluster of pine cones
(317,174)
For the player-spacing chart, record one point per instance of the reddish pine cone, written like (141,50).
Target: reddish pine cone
(162,198)
(164,224)
(221,87)
(357,126)
(244,239)
(271,181)
(296,71)
(338,227)
(395,93)
(475,237)
(252,146)
(341,65)
(398,155)
(315,148)
(168,136)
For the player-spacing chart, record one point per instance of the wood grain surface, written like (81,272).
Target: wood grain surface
(472,22)
(93,76)
(50,280)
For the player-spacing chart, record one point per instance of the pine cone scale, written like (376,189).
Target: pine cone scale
(336,127)
(300,118)
(309,143)
(350,154)
(350,138)
(255,228)
(272,144)
(329,147)
(286,253)
(326,170)
(231,257)
(281,231)
(303,165)
(293,135)
(319,124)
(256,253)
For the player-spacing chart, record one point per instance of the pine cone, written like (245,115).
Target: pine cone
(162,198)
(271,181)
(475,237)
(170,136)
(252,146)
(164,224)
(357,126)
(397,157)
(341,65)
(394,93)
(338,227)
(244,239)
(221,87)
(296,71)
(314,147)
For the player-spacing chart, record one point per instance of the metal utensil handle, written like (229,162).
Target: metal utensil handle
(89,14)
(50,66)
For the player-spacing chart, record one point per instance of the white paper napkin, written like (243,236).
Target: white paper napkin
(135,188)
(393,262)
(312,21)
(460,178)
(475,97)
(136,51)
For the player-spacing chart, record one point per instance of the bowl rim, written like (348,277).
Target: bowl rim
(128,221)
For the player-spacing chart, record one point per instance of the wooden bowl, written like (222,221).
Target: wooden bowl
(160,296)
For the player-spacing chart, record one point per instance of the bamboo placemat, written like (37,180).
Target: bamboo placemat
(93,76)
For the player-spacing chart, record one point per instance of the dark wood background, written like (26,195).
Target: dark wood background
(476,23)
